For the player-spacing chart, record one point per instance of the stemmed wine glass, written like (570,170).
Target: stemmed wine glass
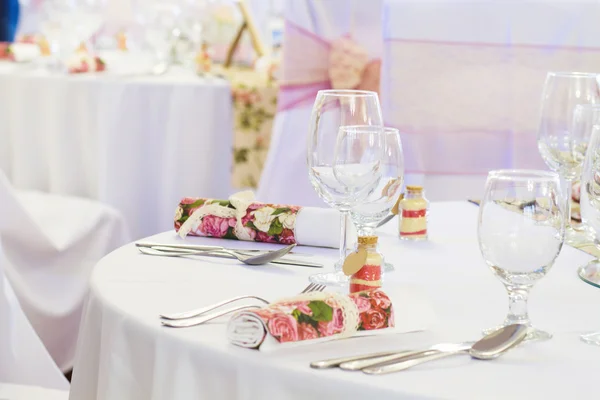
(159,20)
(562,148)
(57,29)
(344,152)
(590,214)
(377,206)
(521,232)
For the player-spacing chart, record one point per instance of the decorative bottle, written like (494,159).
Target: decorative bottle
(414,206)
(369,276)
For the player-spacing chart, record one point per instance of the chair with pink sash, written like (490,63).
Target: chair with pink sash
(463,83)
(327,44)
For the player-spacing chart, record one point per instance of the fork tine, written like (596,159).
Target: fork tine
(321,288)
(315,288)
(308,289)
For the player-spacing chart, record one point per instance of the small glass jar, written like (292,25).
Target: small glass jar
(414,207)
(370,276)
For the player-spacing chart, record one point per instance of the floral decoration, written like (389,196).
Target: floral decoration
(292,321)
(5,52)
(260,222)
(254,98)
(83,62)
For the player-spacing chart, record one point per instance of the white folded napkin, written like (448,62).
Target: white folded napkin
(412,309)
(311,226)
(320,227)
(24,52)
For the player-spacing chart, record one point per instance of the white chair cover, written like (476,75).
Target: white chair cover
(285,175)
(23,358)
(49,245)
(19,392)
(463,82)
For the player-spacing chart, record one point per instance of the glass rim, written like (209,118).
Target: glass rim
(523,175)
(572,74)
(383,129)
(347,93)
(588,106)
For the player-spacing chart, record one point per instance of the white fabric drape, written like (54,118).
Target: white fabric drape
(139,144)
(23,358)
(463,82)
(48,247)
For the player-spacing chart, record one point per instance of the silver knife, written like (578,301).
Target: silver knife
(202,247)
(283,261)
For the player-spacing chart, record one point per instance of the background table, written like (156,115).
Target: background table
(125,353)
(138,143)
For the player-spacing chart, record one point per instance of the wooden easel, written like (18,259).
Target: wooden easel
(249,25)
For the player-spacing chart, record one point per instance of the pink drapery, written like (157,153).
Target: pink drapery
(306,68)
(467,108)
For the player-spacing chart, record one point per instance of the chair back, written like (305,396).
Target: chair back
(463,81)
(312,29)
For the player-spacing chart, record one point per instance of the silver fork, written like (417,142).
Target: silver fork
(194,317)
(259,259)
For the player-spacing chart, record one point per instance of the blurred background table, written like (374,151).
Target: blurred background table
(136,142)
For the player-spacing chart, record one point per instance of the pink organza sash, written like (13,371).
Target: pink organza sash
(310,62)
(466,108)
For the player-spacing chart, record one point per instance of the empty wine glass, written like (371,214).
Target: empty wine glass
(367,215)
(560,146)
(159,19)
(56,28)
(87,19)
(343,157)
(521,232)
(590,214)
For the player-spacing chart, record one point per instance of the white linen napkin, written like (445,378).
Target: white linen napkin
(320,227)
(24,52)
(412,308)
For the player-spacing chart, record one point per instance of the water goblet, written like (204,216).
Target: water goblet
(343,156)
(521,230)
(590,214)
(562,147)
(367,215)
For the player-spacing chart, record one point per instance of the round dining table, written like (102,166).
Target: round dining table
(125,353)
(136,139)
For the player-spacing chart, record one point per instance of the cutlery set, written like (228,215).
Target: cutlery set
(487,348)
(249,257)
(200,316)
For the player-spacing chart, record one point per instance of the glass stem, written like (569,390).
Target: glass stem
(569,191)
(343,236)
(517,305)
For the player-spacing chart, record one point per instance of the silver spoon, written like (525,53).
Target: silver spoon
(259,259)
(355,365)
(393,212)
(487,348)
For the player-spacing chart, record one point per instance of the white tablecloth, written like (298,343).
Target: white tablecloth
(125,354)
(138,143)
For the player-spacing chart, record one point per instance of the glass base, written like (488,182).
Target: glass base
(330,279)
(578,237)
(388,267)
(591,338)
(532,333)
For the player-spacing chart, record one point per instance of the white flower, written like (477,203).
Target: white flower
(178,213)
(263,218)
(288,220)
(347,62)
